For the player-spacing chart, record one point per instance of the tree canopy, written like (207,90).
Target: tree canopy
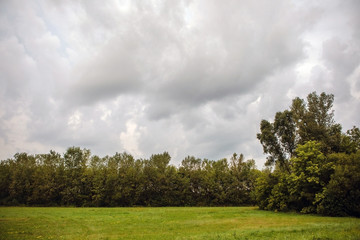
(316,164)
(78,178)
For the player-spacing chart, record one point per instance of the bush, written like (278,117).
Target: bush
(341,197)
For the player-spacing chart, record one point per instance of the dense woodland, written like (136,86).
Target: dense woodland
(79,179)
(312,167)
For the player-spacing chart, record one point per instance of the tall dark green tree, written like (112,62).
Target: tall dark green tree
(191,173)
(76,191)
(47,184)
(341,196)
(242,180)
(154,174)
(311,120)
(310,173)
(5,180)
(316,165)
(96,176)
(22,178)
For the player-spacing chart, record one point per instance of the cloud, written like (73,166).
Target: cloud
(130,138)
(188,77)
(227,51)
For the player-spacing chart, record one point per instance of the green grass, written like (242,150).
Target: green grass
(170,223)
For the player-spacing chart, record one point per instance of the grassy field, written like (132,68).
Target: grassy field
(170,223)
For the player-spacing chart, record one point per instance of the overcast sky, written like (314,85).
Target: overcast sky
(187,77)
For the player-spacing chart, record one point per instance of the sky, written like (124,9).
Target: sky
(187,77)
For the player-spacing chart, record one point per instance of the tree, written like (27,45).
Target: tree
(154,173)
(96,176)
(76,191)
(316,164)
(129,175)
(21,178)
(242,178)
(77,178)
(310,173)
(272,145)
(5,174)
(304,121)
(315,121)
(191,173)
(341,196)
(46,185)
(263,190)
(350,142)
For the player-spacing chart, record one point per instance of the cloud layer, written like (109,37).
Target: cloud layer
(188,77)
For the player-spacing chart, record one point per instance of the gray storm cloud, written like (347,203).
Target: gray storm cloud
(188,77)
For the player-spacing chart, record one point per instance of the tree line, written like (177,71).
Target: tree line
(78,178)
(313,167)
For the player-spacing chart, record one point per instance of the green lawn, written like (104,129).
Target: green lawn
(170,223)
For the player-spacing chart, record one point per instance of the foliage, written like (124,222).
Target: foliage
(341,197)
(304,121)
(310,173)
(80,179)
(264,185)
(320,175)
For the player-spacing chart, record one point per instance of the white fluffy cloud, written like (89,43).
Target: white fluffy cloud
(188,77)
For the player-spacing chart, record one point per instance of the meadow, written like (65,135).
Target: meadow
(170,223)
